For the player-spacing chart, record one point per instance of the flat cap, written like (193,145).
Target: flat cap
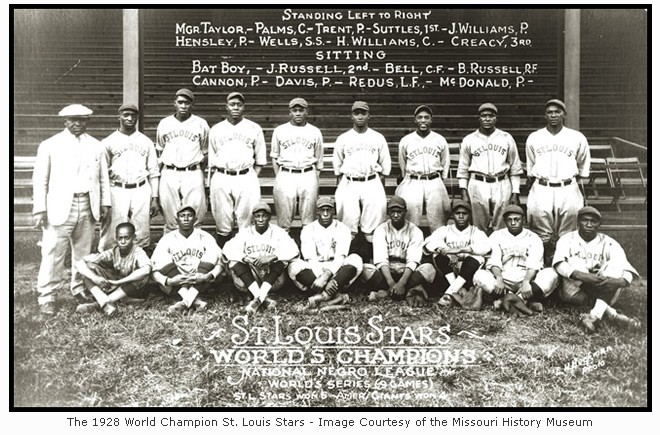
(556,102)
(238,95)
(396,202)
(589,210)
(185,207)
(460,203)
(325,201)
(262,206)
(487,106)
(512,208)
(132,107)
(298,102)
(360,105)
(75,110)
(186,93)
(424,108)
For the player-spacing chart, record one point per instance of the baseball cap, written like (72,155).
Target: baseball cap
(360,105)
(132,107)
(186,93)
(185,207)
(261,206)
(236,95)
(75,110)
(460,203)
(324,201)
(512,208)
(396,202)
(488,106)
(556,102)
(589,210)
(423,107)
(298,102)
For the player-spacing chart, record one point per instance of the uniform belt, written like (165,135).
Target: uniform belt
(370,177)
(230,172)
(431,176)
(80,195)
(546,182)
(298,171)
(129,185)
(488,178)
(189,168)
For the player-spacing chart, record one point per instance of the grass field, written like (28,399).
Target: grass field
(144,358)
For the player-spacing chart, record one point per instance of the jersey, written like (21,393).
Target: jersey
(361,154)
(494,154)
(424,155)
(237,147)
(112,259)
(450,236)
(182,144)
(132,158)
(186,252)
(325,245)
(398,246)
(249,243)
(297,147)
(515,252)
(557,157)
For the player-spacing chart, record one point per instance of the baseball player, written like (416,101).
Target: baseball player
(258,256)
(326,267)
(116,273)
(186,260)
(594,269)
(71,193)
(515,264)
(238,152)
(133,179)
(556,156)
(297,152)
(458,251)
(424,163)
(489,171)
(182,146)
(361,161)
(397,271)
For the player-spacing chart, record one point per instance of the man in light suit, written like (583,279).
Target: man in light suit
(71,193)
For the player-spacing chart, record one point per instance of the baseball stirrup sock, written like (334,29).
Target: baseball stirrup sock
(468,268)
(376,282)
(244,273)
(190,297)
(276,270)
(344,275)
(537,293)
(441,262)
(306,277)
(415,279)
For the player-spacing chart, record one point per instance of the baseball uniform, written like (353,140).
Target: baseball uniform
(360,195)
(514,255)
(555,198)
(489,168)
(424,162)
(182,146)
(234,151)
(298,151)
(133,182)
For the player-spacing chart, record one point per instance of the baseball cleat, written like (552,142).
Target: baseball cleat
(589,321)
(179,307)
(623,320)
(253,306)
(446,300)
(88,307)
(269,303)
(314,300)
(47,309)
(535,306)
(378,295)
(199,305)
(497,304)
(109,309)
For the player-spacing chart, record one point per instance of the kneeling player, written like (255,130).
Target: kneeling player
(457,249)
(595,271)
(326,267)
(397,272)
(186,260)
(258,257)
(115,273)
(516,263)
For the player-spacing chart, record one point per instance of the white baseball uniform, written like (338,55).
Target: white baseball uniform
(234,151)
(360,195)
(134,176)
(298,151)
(424,162)
(489,168)
(555,198)
(182,147)
(324,249)
(514,255)
(451,237)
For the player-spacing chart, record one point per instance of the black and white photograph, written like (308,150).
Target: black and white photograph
(330,208)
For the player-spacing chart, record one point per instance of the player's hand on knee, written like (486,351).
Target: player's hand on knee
(525,291)
(398,292)
(611,284)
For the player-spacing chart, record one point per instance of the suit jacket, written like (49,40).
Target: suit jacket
(54,176)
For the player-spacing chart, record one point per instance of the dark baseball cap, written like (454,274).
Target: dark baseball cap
(556,102)
(131,107)
(397,202)
(512,208)
(324,201)
(487,106)
(424,108)
(186,93)
(360,105)
(298,102)
(236,95)
(589,210)
(262,206)
(460,203)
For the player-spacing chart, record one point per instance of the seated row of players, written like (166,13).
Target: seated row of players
(593,266)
